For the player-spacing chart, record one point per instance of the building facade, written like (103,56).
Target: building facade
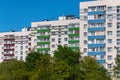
(15,45)
(50,34)
(100,30)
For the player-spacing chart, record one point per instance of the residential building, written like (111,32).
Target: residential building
(50,34)
(100,30)
(15,45)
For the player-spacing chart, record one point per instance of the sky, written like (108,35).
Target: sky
(17,14)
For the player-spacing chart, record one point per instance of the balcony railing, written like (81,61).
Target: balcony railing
(96,53)
(8,54)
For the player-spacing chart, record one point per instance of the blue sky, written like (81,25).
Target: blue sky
(16,14)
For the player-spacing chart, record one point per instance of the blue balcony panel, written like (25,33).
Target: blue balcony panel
(96,37)
(96,45)
(96,53)
(96,21)
(96,12)
(101,61)
(96,29)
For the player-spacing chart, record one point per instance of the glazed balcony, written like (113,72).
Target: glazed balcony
(9,54)
(9,39)
(9,44)
(8,49)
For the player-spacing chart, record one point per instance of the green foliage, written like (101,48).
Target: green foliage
(66,64)
(31,60)
(117,67)
(91,70)
(67,54)
(13,70)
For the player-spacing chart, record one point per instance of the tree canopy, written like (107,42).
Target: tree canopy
(66,64)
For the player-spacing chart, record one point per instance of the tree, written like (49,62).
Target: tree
(91,70)
(13,70)
(117,67)
(41,69)
(67,54)
(31,60)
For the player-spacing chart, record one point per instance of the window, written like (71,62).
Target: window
(59,39)
(118,33)
(85,34)
(53,39)
(85,50)
(118,9)
(59,35)
(109,33)
(109,24)
(65,39)
(65,27)
(21,52)
(16,47)
(26,47)
(110,17)
(99,57)
(109,8)
(53,33)
(65,44)
(109,49)
(85,41)
(53,46)
(26,52)
(16,52)
(85,26)
(21,57)
(118,16)
(118,25)
(21,47)
(66,32)
(118,41)
(85,10)
(109,41)
(109,65)
(109,57)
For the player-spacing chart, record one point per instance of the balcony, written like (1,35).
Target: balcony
(9,39)
(96,12)
(72,35)
(45,36)
(96,21)
(73,41)
(75,48)
(96,29)
(9,44)
(96,37)
(8,49)
(43,49)
(39,43)
(96,45)
(29,44)
(96,53)
(101,61)
(43,30)
(74,28)
(8,54)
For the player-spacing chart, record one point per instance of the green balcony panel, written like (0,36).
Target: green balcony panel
(75,28)
(43,49)
(75,48)
(39,43)
(38,37)
(72,35)
(74,41)
(43,30)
